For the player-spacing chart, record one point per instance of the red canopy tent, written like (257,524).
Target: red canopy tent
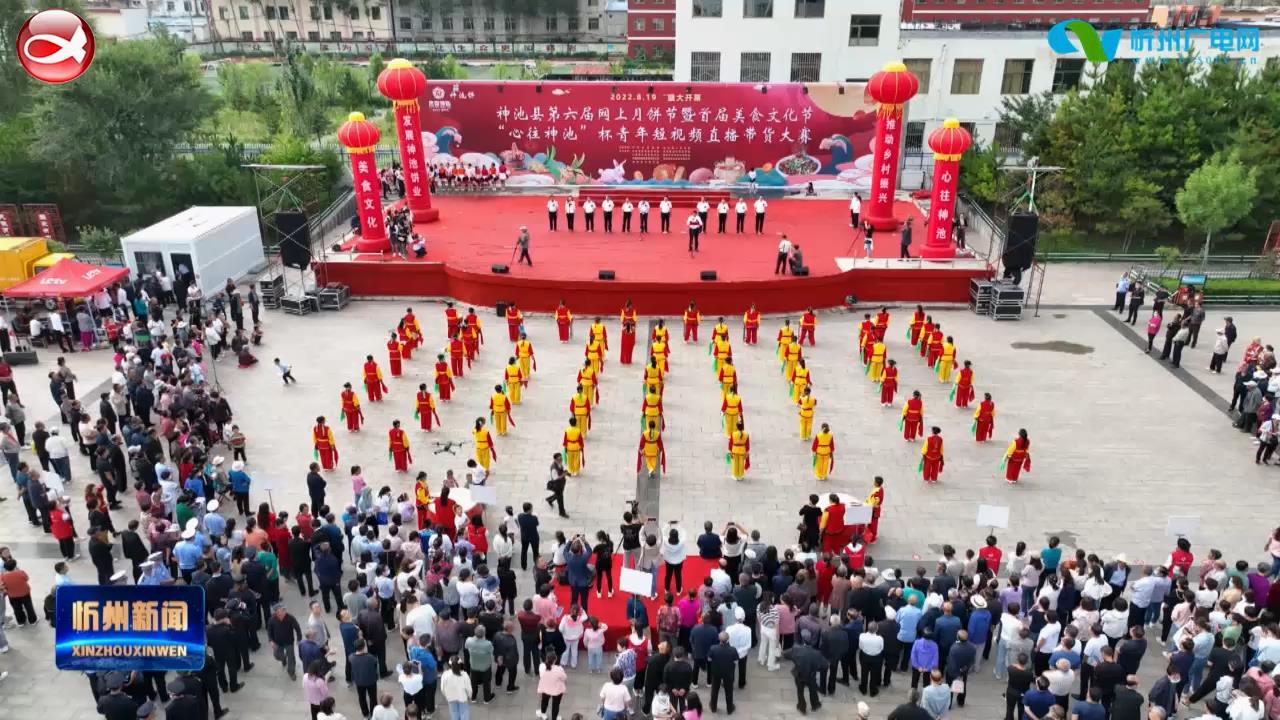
(68,278)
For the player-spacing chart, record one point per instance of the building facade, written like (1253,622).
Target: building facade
(274,21)
(1026,13)
(187,19)
(964,72)
(651,30)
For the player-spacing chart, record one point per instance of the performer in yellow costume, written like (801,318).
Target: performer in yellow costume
(807,403)
(600,335)
(799,379)
(732,409)
(574,447)
(484,445)
(824,453)
(728,375)
(651,409)
(720,331)
(595,354)
(739,452)
(653,374)
(722,350)
(513,380)
(528,362)
(651,452)
(790,359)
(658,349)
(500,410)
(587,379)
(875,370)
(947,361)
(580,408)
(785,335)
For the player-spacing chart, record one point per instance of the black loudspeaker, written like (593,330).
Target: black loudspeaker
(1020,241)
(500,269)
(708,275)
(295,238)
(501,308)
(606,275)
(801,271)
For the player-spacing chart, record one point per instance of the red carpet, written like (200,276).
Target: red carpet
(612,611)
(477,231)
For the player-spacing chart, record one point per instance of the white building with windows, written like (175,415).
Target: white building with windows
(963,73)
(187,19)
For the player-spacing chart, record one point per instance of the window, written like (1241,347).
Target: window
(708,8)
(509,23)
(593,3)
(489,23)
(284,12)
(806,67)
(375,13)
(426,22)
(658,52)
(553,23)
(757,8)
(971,128)
(223,14)
(186,6)
(246,35)
(269,36)
(1006,137)
(754,67)
(811,8)
(169,7)
(593,23)
(704,67)
(658,24)
(639,24)
(244,12)
(573,23)
(354,12)
(446,23)
(313,36)
(328,12)
(637,52)
(291,35)
(335,36)
(315,13)
(405,23)
(922,68)
(966,77)
(468,23)
(1067,74)
(1017,77)
(913,141)
(357,35)
(864,30)
(271,12)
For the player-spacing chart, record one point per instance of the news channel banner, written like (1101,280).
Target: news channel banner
(122,627)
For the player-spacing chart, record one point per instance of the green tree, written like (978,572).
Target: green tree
(1216,196)
(1027,118)
(1259,141)
(245,86)
(376,66)
(980,173)
(446,68)
(1142,214)
(103,241)
(314,190)
(214,178)
(301,104)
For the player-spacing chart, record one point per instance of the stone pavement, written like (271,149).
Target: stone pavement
(1118,447)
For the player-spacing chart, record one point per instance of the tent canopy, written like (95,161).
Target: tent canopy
(68,278)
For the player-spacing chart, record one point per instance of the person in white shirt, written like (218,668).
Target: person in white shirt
(59,330)
(455,686)
(606,208)
(695,228)
(35,328)
(643,209)
(422,620)
(553,213)
(627,209)
(760,207)
(589,214)
(784,252)
(664,210)
(214,340)
(1010,629)
(722,214)
(855,210)
(704,207)
(741,220)
(751,180)
(1049,636)
(870,656)
(570,212)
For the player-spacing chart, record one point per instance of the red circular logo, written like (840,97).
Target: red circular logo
(55,46)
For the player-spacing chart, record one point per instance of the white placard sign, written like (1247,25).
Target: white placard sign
(636,582)
(993,516)
(1182,526)
(484,495)
(857,514)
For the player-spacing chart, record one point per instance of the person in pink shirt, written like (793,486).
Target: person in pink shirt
(314,686)
(551,686)
(786,623)
(571,627)
(690,609)
(593,639)
(545,605)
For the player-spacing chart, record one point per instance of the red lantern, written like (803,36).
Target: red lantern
(403,84)
(358,134)
(949,141)
(892,87)
(360,137)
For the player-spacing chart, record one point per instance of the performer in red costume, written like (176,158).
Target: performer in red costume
(452,319)
(373,384)
(515,319)
(425,408)
(413,328)
(457,353)
(808,323)
(473,321)
(691,319)
(629,321)
(834,532)
(913,417)
(984,419)
(926,334)
(1018,457)
(564,322)
(935,346)
(917,324)
(351,408)
(326,448)
(866,338)
(931,460)
(882,323)
(393,353)
(964,385)
(751,325)
(889,383)
(398,447)
(444,379)
(875,500)
(446,513)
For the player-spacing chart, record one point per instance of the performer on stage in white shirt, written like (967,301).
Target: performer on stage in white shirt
(643,209)
(761,206)
(704,208)
(695,228)
(855,209)
(741,210)
(589,214)
(606,208)
(664,209)
(722,214)
(553,212)
(570,211)
(627,209)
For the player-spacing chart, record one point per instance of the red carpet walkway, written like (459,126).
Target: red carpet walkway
(475,232)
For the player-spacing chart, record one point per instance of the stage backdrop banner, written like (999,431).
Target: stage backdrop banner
(660,134)
(129,627)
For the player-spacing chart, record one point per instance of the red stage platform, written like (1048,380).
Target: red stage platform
(655,271)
